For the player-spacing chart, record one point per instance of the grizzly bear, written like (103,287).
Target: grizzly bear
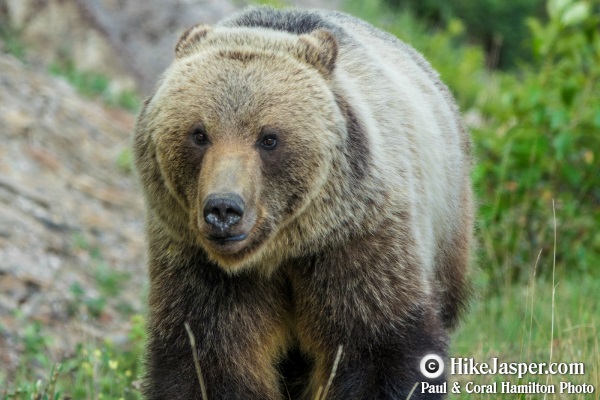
(307,188)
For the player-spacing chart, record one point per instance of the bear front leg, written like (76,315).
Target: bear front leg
(238,329)
(381,313)
(385,365)
(229,371)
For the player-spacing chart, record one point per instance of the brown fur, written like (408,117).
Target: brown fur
(335,246)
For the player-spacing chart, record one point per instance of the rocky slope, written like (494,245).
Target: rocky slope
(69,211)
(72,258)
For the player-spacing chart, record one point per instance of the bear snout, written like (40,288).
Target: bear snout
(221,212)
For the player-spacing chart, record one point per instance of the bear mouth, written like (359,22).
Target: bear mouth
(222,239)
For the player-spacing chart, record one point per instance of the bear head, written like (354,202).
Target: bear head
(239,138)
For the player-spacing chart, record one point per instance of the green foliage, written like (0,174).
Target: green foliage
(497,25)
(87,83)
(94,371)
(95,85)
(541,142)
(272,3)
(10,41)
(500,27)
(125,161)
(109,283)
(85,304)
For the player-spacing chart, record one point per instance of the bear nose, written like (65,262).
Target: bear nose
(223,210)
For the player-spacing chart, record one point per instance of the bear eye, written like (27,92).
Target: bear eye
(268,142)
(199,135)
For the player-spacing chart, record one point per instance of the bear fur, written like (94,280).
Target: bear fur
(306,179)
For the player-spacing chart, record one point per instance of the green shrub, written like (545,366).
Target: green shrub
(542,142)
(497,25)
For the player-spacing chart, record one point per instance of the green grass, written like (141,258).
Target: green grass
(516,326)
(96,369)
(99,370)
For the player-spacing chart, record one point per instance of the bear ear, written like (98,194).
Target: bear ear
(189,37)
(320,49)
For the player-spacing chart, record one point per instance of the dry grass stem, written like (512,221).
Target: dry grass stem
(336,362)
(196,361)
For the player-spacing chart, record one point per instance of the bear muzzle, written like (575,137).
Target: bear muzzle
(222,212)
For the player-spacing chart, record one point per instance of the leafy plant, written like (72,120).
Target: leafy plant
(540,142)
(497,25)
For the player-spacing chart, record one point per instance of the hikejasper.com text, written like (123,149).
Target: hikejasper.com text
(468,366)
